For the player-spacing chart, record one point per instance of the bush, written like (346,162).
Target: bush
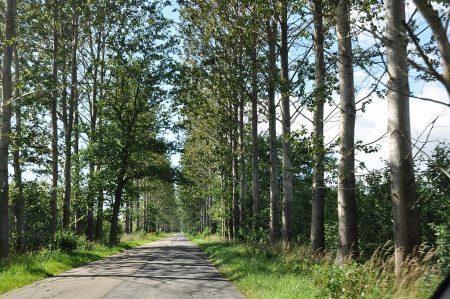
(68,241)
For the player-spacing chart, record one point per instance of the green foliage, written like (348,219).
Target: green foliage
(68,241)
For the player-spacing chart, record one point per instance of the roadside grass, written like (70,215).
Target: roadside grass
(275,271)
(20,270)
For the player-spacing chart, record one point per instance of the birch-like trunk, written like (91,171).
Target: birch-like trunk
(243,179)
(17,165)
(5,130)
(54,120)
(69,126)
(234,171)
(275,231)
(348,235)
(288,215)
(403,187)
(318,188)
(255,150)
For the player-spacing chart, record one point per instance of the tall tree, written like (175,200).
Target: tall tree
(271,28)
(255,148)
(403,186)
(288,192)
(348,235)
(17,164)
(5,129)
(69,120)
(54,118)
(318,199)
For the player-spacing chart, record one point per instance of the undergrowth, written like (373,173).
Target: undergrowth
(277,271)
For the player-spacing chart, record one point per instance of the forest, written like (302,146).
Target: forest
(237,119)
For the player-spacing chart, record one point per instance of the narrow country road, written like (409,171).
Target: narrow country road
(170,268)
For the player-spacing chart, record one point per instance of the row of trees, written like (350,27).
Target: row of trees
(83,117)
(244,61)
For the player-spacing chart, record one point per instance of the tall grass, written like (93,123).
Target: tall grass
(277,271)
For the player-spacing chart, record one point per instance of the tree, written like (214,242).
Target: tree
(271,28)
(403,187)
(348,235)
(286,125)
(5,129)
(54,120)
(318,200)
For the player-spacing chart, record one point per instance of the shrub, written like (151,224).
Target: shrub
(68,241)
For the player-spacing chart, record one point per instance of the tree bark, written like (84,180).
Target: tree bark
(20,200)
(99,220)
(243,182)
(348,235)
(234,171)
(54,119)
(69,126)
(275,231)
(288,215)
(5,130)
(403,186)
(116,208)
(318,188)
(127,217)
(118,192)
(255,150)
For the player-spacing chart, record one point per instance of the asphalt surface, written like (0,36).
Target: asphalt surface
(170,268)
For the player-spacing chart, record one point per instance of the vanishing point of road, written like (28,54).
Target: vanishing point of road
(170,268)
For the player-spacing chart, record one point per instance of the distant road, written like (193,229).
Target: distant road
(166,269)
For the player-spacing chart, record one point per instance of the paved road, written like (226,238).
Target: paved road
(166,269)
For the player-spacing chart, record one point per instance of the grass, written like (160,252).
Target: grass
(274,271)
(20,270)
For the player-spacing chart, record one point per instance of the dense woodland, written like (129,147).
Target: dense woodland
(91,89)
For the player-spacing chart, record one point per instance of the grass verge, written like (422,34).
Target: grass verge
(263,271)
(20,270)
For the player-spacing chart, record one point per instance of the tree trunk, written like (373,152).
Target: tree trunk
(274,191)
(20,200)
(234,171)
(138,215)
(127,218)
(120,185)
(93,127)
(69,126)
(99,221)
(77,170)
(116,208)
(255,162)
(288,215)
(243,182)
(54,118)
(403,187)
(5,129)
(318,198)
(348,236)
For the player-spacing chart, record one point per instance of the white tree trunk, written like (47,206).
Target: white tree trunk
(348,236)
(403,187)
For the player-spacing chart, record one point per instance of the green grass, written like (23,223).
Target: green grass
(21,270)
(263,271)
